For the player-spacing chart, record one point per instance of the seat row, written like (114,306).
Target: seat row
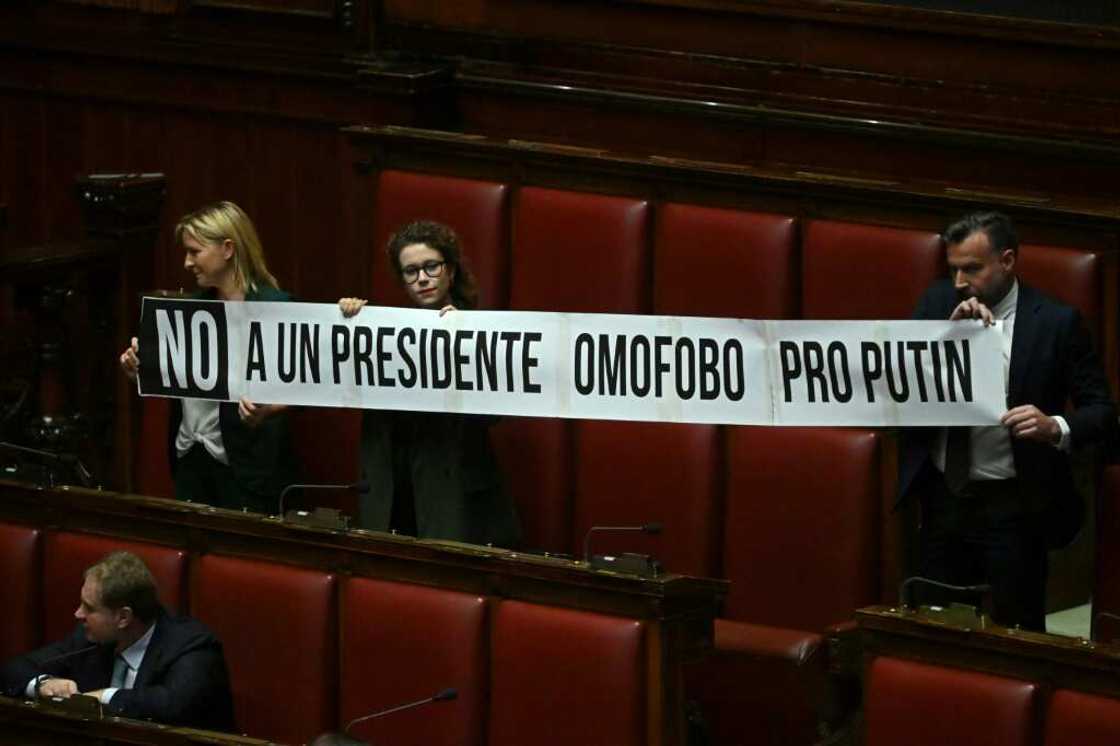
(308,650)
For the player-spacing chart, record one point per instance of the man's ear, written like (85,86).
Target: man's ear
(1007,260)
(125,616)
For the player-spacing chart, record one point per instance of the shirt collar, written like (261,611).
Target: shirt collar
(134,654)
(1007,303)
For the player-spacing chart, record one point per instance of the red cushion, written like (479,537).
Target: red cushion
(476,210)
(535,455)
(67,555)
(565,677)
(423,640)
(855,271)
(801,532)
(716,262)
(1072,276)
(922,705)
(1106,589)
(325,440)
(631,473)
(151,473)
(760,684)
(1078,719)
(20,591)
(579,252)
(277,624)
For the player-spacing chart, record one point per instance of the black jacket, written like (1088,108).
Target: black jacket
(183,679)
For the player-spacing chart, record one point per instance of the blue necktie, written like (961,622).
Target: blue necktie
(120,673)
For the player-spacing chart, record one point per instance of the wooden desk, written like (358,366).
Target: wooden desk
(30,724)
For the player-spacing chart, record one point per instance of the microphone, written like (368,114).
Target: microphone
(55,659)
(647,528)
(83,474)
(904,589)
(361,487)
(441,696)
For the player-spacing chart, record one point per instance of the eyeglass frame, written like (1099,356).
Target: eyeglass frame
(435,265)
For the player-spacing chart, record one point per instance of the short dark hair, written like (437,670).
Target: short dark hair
(124,580)
(464,288)
(995,225)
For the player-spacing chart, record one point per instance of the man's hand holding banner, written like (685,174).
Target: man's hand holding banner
(587,366)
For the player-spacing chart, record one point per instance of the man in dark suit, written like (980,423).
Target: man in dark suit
(994,499)
(129,653)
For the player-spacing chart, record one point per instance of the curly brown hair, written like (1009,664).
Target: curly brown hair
(464,287)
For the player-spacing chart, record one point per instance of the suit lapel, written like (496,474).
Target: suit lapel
(1022,342)
(152,656)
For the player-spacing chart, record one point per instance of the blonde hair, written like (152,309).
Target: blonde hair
(221,221)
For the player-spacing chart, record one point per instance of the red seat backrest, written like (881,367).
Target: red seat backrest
(716,262)
(923,705)
(1079,719)
(476,210)
(579,252)
(560,676)
(278,627)
(856,271)
(632,473)
(151,474)
(1073,276)
(801,534)
(535,455)
(66,555)
(20,592)
(401,643)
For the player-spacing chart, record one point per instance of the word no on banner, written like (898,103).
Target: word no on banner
(588,366)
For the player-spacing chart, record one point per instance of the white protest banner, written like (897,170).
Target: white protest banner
(590,366)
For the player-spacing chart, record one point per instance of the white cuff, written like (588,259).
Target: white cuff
(33,685)
(107,694)
(1063,443)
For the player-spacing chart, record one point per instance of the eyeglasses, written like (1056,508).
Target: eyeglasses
(432,269)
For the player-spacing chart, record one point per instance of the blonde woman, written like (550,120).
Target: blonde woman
(230,455)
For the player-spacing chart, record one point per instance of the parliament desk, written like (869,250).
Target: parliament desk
(30,724)
(225,556)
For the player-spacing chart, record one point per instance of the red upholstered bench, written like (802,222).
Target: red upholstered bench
(857,271)
(579,252)
(401,643)
(632,473)
(923,705)
(475,209)
(66,555)
(535,455)
(560,676)
(800,547)
(21,589)
(728,263)
(1079,719)
(278,625)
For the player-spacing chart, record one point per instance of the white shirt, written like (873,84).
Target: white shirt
(990,445)
(201,425)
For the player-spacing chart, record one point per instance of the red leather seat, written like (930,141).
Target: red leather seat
(923,705)
(325,440)
(801,534)
(151,474)
(731,263)
(476,210)
(279,629)
(579,252)
(1072,276)
(1079,719)
(20,592)
(66,555)
(401,643)
(632,473)
(856,271)
(560,676)
(535,455)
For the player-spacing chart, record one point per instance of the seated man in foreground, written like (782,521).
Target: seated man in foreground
(129,653)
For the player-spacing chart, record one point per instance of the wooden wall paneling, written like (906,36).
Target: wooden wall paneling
(23,172)
(274,150)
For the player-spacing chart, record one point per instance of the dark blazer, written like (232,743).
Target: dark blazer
(182,681)
(260,457)
(1052,363)
(457,485)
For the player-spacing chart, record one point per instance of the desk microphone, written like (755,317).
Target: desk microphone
(647,528)
(39,678)
(442,696)
(84,475)
(361,487)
